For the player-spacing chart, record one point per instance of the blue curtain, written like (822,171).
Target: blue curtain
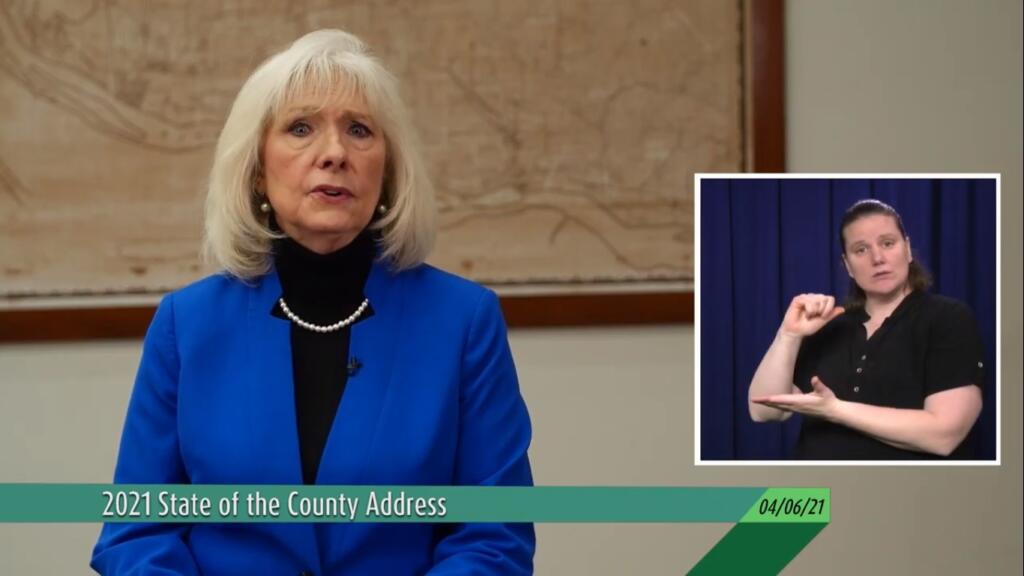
(764,241)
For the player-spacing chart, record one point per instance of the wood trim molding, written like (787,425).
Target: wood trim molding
(599,309)
(520,312)
(48,325)
(765,66)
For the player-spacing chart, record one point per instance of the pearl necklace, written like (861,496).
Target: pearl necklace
(329,327)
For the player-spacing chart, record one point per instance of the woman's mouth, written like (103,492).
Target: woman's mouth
(332,193)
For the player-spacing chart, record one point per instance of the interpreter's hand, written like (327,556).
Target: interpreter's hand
(807,313)
(820,402)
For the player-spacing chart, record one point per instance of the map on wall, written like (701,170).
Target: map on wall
(562,137)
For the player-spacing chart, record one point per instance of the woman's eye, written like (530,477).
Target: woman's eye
(359,130)
(300,129)
(859,250)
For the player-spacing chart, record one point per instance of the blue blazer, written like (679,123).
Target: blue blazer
(436,402)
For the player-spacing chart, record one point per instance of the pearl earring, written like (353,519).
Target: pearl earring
(265,207)
(382,209)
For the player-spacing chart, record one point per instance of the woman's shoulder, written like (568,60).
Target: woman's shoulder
(212,288)
(434,291)
(428,277)
(207,308)
(210,297)
(946,310)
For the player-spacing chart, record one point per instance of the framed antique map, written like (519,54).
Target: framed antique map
(562,137)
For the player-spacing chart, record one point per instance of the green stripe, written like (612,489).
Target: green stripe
(128,503)
(756,548)
(774,524)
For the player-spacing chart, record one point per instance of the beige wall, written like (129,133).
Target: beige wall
(915,85)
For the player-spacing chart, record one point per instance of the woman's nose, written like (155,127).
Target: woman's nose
(334,154)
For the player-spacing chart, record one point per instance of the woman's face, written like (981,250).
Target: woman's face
(877,256)
(323,169)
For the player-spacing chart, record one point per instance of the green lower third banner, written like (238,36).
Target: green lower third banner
(772,524)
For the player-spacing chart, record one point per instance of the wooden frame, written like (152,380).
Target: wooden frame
(764,120)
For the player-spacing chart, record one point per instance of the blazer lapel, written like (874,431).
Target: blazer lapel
(271,388)
(373,343)
(271,402)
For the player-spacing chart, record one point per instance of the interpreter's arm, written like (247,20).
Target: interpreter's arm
(807,314)
(938,428)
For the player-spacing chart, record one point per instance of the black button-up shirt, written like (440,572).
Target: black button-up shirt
(930,343)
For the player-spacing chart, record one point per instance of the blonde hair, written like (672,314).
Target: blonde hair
(323,63)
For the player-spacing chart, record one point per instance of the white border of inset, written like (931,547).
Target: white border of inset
(840,176)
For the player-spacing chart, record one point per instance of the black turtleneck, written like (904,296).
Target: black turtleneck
(320,289)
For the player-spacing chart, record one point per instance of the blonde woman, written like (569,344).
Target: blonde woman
(326,352)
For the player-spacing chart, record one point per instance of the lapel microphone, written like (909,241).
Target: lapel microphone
(353,366)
